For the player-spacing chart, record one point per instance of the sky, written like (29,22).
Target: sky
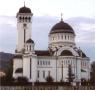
(80,14)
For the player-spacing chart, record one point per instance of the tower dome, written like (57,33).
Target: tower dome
(24,10)
(62,27)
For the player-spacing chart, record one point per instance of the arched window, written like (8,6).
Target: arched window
(62,36)
(30,47)
(19,19)
(68,37)
(65,36)
(29,19)
(25,19)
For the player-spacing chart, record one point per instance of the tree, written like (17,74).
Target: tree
(9,71)
(70,74)
(92,79)
(49,79)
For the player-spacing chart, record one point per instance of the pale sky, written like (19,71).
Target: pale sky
(80,14)
(70,8)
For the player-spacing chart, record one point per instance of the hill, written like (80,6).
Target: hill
(5,59)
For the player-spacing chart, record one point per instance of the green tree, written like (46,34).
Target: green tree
(49,78)
(93,72)
(9,71)
(71,76)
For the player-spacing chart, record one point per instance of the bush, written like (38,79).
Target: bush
(49,79)
(22,80)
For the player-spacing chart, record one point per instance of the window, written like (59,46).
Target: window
(30,47)
(65,36)
(49,73)
(24,35)
(53,38)
(19,19)
(38,62)
(68,37)
(62,36)
(38,73)
(26,19)
(30,67)
(24,25)
(48,62)
(43,74)
(27,47)
(64,62)
(29,19)
(43,62)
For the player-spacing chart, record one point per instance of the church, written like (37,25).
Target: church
(37,65)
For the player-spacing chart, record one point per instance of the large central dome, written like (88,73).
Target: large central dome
(62,27)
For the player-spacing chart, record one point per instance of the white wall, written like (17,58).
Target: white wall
(17,63)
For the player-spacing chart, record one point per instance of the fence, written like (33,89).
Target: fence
(47,88)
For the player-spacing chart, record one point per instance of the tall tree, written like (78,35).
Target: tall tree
(93,72)
(70,74)
(49,79)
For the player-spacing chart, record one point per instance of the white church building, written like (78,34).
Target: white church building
(37,65)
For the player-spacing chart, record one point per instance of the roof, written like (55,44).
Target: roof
(43,53)
(62,27)
(24,10)
(17,56)
(81,53)
(29,41)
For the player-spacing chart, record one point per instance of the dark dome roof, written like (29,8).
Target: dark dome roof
(24,10)
(29,41)
(62,27)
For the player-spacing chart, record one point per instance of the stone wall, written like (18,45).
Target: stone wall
(46,88)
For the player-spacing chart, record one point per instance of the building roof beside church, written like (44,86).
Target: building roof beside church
(43,53)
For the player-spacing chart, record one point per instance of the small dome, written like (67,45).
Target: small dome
(62,27)
(29,41)
(24,10)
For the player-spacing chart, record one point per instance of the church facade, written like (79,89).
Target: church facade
(38,65)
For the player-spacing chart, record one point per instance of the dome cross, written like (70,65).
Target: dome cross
(24,3)
(61,16)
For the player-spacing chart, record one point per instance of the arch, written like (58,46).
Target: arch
(23,19)
(66,53)
(26,19)
(19,18)
(29,19)
(74,53)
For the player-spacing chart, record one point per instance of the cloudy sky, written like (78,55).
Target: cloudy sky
(80,14)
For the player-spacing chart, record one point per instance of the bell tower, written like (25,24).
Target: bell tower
(24,24)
